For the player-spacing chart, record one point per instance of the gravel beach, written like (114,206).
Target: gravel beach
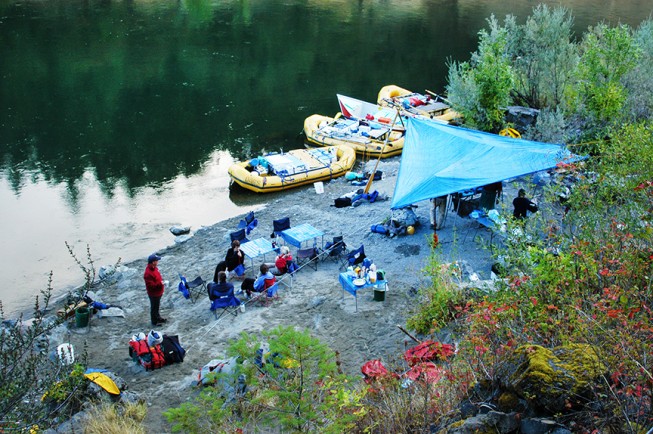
(315,301)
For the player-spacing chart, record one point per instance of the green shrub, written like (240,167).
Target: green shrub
(299,389)
(440,303)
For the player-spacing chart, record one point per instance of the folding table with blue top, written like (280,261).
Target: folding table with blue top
(347,283)
(302,233)
(256,248)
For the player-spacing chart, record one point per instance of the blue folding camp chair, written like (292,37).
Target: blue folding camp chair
(280,226)
(239,235)
(191,290)
(269,295)
(336,249)
(355,257)
(308,256)
(225,302)
(248,223)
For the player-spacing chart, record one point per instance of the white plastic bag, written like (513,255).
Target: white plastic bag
(66,354)
(154,338)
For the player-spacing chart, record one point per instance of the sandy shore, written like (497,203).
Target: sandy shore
(315,301)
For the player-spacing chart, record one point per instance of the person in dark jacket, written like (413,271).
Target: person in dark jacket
(155,287)
(522,205)
(235,258)
(220,286)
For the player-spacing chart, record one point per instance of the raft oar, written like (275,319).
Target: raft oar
(387,137)
(438,96)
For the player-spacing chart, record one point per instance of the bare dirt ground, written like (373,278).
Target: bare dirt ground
(315,301)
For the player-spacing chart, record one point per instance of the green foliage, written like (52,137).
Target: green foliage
(480,89)
(551,127)
(439,303)
(638,81)
(26,371)
(586,278)
(34,386)
(204,414)
(607,55)
(61,390)
(544,57)
(587,281)
(298,388)
(582,88)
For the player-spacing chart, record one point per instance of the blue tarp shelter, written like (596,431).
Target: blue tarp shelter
(440,159)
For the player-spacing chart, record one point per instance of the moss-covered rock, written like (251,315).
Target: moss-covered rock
(550,379)
(508,401)
(493,422)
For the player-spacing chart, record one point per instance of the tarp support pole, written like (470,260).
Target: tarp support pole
(387,137)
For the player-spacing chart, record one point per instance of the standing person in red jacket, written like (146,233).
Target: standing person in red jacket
(154,286)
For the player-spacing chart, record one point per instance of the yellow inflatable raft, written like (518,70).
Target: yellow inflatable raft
(368,140)
(414,104)
(277,172)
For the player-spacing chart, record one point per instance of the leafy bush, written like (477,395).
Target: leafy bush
(480,89)
(440,303)
(26,371)
(299,388)
(36,389)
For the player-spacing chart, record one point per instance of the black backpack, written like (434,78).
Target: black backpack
(342,202)
(172,350)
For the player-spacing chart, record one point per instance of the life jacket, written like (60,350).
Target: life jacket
(138,348)
(153,360)
(269,282)
(149,357)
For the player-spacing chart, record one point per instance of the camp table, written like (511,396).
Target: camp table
(255,248)
(302,233)
(347,283)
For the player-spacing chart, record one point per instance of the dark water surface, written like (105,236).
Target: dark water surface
(120,119)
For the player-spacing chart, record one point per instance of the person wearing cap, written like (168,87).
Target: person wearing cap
(154,286)
(523,205)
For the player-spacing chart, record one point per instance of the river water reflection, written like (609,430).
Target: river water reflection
(119,119)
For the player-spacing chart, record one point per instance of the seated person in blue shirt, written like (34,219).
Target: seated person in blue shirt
(265,280)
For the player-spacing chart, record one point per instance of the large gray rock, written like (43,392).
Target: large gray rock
(179,230)
(491,422)
(522,117)
(182,238)
(537,426)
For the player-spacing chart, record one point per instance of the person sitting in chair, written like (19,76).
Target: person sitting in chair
(235,260)
(219,286)
(281,262)
(265,280)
